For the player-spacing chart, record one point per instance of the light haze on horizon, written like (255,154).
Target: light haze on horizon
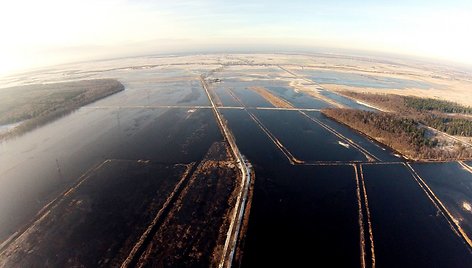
(41,33)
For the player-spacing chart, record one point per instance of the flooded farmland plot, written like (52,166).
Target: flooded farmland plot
(178,135)
(96,223)
(361,80)
(452,184)
(379,151)
(298,99)
(199,219)
(134,135)
(250,98)
(182,93)
(296,206)
(305,139)
(408,229)
(253,73)
(304,214)
(54,161)
(226,97)
(347,102)
(252,140)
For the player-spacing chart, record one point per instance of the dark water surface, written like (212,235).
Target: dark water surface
(223,93)
(345,101)
(363,80)
(452,184)
(305,139)
(298,99)
(373,147)
(250,98)
(301,215)
(38,166)
(98,223)
(409,231)
(304,214)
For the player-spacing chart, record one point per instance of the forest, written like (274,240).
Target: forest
(449,117)
(429,104)
(450,125)
(401,133)
(35,105)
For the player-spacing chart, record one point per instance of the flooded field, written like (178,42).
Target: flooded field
(452,184)
(97,222)
(226,96)
(304,211)
(362,80)
(148,176)
(295,206)
(250,98)
(252,140)
(349,103)
(41,164)
(199,218)
(135,133)
(379,151)
(298,99)
(408,229)
(305,139)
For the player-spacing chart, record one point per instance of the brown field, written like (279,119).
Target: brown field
(271,98)
(194,232)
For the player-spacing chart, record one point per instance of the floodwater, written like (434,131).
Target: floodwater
(41,164)
(345,101)
(251,139)
(300,214)
(408,229)
(304,214)
(223,93)
(96,224)
(287,213)
(452,184)
(362,80)
(250,98)
(298,99)
(306,139)
(378,150)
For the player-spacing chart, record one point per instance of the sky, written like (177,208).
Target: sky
(39,33)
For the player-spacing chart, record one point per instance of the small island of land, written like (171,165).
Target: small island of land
(418,128)
(23,108)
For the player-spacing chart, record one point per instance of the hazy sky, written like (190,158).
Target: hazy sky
(35,33)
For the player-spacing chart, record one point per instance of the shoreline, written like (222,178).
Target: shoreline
(396,152)
(61,109)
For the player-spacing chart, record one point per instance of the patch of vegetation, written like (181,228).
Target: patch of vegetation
(401,133)
(35,105)
(429,104)
(394,103)
(430,112)
(450,125)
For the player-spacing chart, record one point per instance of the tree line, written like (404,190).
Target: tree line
(452,126)
(401,133)
(429,104)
